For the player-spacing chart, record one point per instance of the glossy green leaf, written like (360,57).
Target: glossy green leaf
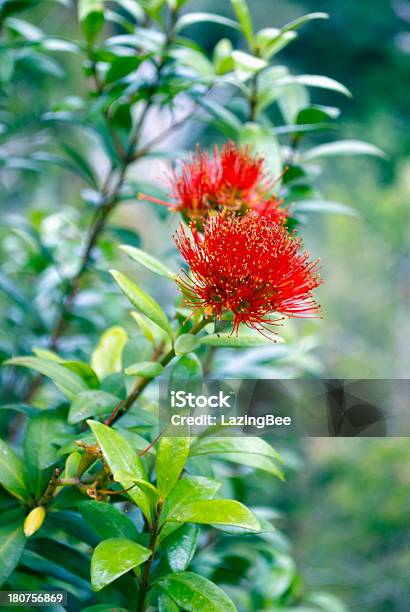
(296,23)
(41,449)
(323,206)
(91,16)
(67,381)
(270,41)
(315,80)
(107,521)
(195,593)
(193,18)
(243,15)
(210,445)
(188,490)
(91,403)
(121,67)
(114,557)
(217,512)
(106,357)
(141,300)
(120,457)
(149,261)
(186,374)
(180,547)
(12,542)
(342,147)
(172,455)
(147,369)
(12,473)
(247,64)
(186,343)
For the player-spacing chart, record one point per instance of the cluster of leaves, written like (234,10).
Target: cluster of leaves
(137,59)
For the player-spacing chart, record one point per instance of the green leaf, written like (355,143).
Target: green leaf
(67,381)
(84,371)
(270,41)
(323,206)
(187,490)
(104,608)
(107,521)
(114,557)
(296,23)
(12,542)
(243,15)
(193,18)
(314,80)
(148,261)
(40,448)
(166,604)
(120,457)
(186,374)
(342,147)
(106,357)
(195,593)
(12,474)
(180,547)
(91,403)
(141,300)
(91,16)
(147,369)
(241,341)
(217,512)
(186,343)
(172,455)
(211,445)
(122,66)
(247,64)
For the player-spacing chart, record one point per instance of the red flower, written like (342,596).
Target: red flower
(249,267)
(232,179)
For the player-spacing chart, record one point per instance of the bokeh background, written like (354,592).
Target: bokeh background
(346,503)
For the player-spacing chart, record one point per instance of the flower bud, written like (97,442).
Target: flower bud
(34,520)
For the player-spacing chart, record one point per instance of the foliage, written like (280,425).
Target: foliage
(92,434)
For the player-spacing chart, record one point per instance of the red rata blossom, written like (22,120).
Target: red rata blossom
(231,179)
(250,267)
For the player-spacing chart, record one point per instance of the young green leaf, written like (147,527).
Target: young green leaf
(147,369)
(195,593)
(120,457)
(323,206)
(106,357)
(314,80)
(107,521)
(213,445)
(188,490)
(342,147)
(141,300)
(186,343)
(216,512)
(193,18)
(172,455)
(12,543)
(296,23)
(67,381)
(114,557)
(12,473)
(148,261)
(180,547)
(91,17)
(242,13)
(91,403)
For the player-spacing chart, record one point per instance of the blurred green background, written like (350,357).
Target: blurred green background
(346,503)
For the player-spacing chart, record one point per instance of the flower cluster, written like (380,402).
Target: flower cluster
(248,266)
(231,179)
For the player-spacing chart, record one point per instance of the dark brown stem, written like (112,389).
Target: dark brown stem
(144,586)
(51,488)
